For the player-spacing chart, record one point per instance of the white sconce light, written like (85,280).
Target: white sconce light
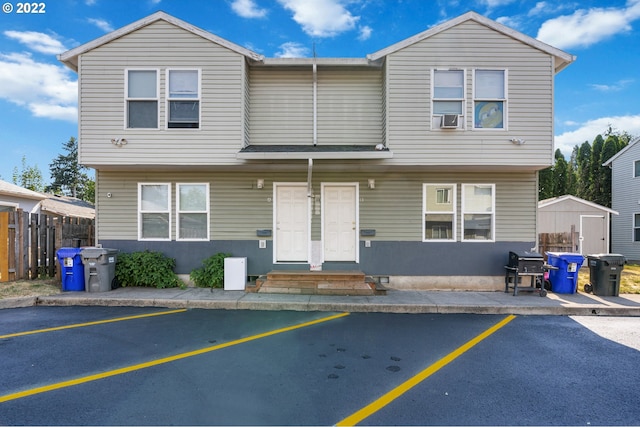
(372,184)
(119,142)
(517,141)
(260,184)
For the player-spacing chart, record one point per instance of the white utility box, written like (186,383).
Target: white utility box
(235,273)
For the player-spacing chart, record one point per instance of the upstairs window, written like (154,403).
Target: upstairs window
(447,98)
(489,102)
(154,211)
(183,99)
(636,169)
(478,212)
(142,99)
(439,209)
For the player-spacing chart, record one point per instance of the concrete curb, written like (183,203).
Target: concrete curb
(18,302)
(487,304)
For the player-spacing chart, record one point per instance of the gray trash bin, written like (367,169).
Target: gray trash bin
(99,268)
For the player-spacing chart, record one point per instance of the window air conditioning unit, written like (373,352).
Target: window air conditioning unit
(449,121)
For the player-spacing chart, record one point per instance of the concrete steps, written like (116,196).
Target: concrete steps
(316,283)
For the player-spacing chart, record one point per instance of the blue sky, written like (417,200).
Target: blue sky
(38,95)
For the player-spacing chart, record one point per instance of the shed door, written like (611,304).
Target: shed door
(593,235)
(291,223)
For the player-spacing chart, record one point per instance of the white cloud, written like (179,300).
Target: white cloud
(589,130)
(248,9)
(365,33)
(586,27)
(40,42)
(292,50)
(102,24)
(616,87)
(321,18)
(46,90)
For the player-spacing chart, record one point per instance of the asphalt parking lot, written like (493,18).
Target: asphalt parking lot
(150,366)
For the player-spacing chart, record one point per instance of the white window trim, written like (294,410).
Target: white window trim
(168,98)
(505,101)
(633,169)
(633,227)
(127,99)
(454,211)
(179,212)
(493,213)
(140,211)
(462,117)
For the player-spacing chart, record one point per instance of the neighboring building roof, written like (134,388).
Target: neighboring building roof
(619,153)
(8,189)
(70,57)
(554,200)
(562,59)
(67,206)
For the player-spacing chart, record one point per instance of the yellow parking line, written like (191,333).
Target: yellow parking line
(157,362)
(389,397)
(97,322)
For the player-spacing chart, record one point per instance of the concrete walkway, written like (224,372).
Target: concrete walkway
(396,301)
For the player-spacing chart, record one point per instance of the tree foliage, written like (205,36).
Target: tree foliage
(28,177)
(69,177)
(583,175)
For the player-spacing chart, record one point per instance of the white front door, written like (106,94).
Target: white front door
(339,226)
(291,223)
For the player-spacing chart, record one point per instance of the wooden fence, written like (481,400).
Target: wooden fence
(33,239)
(559,242)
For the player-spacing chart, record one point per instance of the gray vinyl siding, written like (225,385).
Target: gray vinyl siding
(625,200)
(393,208)
(468,46)
(349,106)
(281,105)
(160,46)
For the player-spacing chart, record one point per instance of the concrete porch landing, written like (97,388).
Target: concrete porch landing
(315,283)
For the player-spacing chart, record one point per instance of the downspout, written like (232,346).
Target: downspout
(315,100)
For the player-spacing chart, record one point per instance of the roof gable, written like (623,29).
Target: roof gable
(621,152)
(561,58)
(560,199)
(70,57)
(8,189)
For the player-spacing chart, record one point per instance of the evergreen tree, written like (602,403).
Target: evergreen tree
(545,183)
(583,160)
(69,177)
(596,173)
(560,175)
(609,149)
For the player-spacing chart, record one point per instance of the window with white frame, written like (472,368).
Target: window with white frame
(447,96)
(489,99)
(636,227)
(154,211)
(142,99)
(193,211)
(636,169)
(439,209)
(478,212)
(183,99)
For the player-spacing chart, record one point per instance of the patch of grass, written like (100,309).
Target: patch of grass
(629,279)
(29,288)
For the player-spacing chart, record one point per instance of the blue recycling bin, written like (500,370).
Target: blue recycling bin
(71,269)
(564,279)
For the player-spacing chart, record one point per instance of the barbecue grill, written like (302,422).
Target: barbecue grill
(525,264)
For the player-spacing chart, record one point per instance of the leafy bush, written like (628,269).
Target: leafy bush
(146,268)
(211,274)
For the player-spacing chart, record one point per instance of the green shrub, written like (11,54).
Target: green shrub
(211,274)
(146,268)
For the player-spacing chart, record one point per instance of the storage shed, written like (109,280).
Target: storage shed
(589,222)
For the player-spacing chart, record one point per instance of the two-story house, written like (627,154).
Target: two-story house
(625,198)
(418,163)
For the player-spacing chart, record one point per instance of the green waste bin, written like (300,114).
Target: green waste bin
(604,274)
(99,268)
